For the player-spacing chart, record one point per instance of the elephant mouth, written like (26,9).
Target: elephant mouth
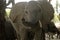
(28,23)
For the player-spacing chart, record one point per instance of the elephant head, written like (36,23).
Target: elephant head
(35,11)
(32,12)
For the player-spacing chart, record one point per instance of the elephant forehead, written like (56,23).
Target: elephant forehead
(32,6)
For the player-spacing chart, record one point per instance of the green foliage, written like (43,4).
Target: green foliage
(8,12)
(56,19)
(59,17)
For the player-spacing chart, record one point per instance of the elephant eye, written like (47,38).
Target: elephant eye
(26,12)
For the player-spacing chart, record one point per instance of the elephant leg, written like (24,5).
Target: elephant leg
(18,36)
(23,35)
(43,34)
(39,35)
(31,35)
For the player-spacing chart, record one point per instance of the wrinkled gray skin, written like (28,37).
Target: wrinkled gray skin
(36,11)
(32,12)
(41,10)
(16,15)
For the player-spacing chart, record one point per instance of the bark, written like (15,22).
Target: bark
(2,19)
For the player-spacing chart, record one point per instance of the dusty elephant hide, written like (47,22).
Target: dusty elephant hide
(32,12)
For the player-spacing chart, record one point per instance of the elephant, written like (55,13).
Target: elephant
(42,11)
(27,17)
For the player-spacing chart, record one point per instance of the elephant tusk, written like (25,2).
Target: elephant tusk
(40,23)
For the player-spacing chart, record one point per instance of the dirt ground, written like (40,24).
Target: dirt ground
(47,37)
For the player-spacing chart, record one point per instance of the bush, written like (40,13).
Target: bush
(8,12)
(56,18)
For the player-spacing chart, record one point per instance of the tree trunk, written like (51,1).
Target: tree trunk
(10,1)
(2,19)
